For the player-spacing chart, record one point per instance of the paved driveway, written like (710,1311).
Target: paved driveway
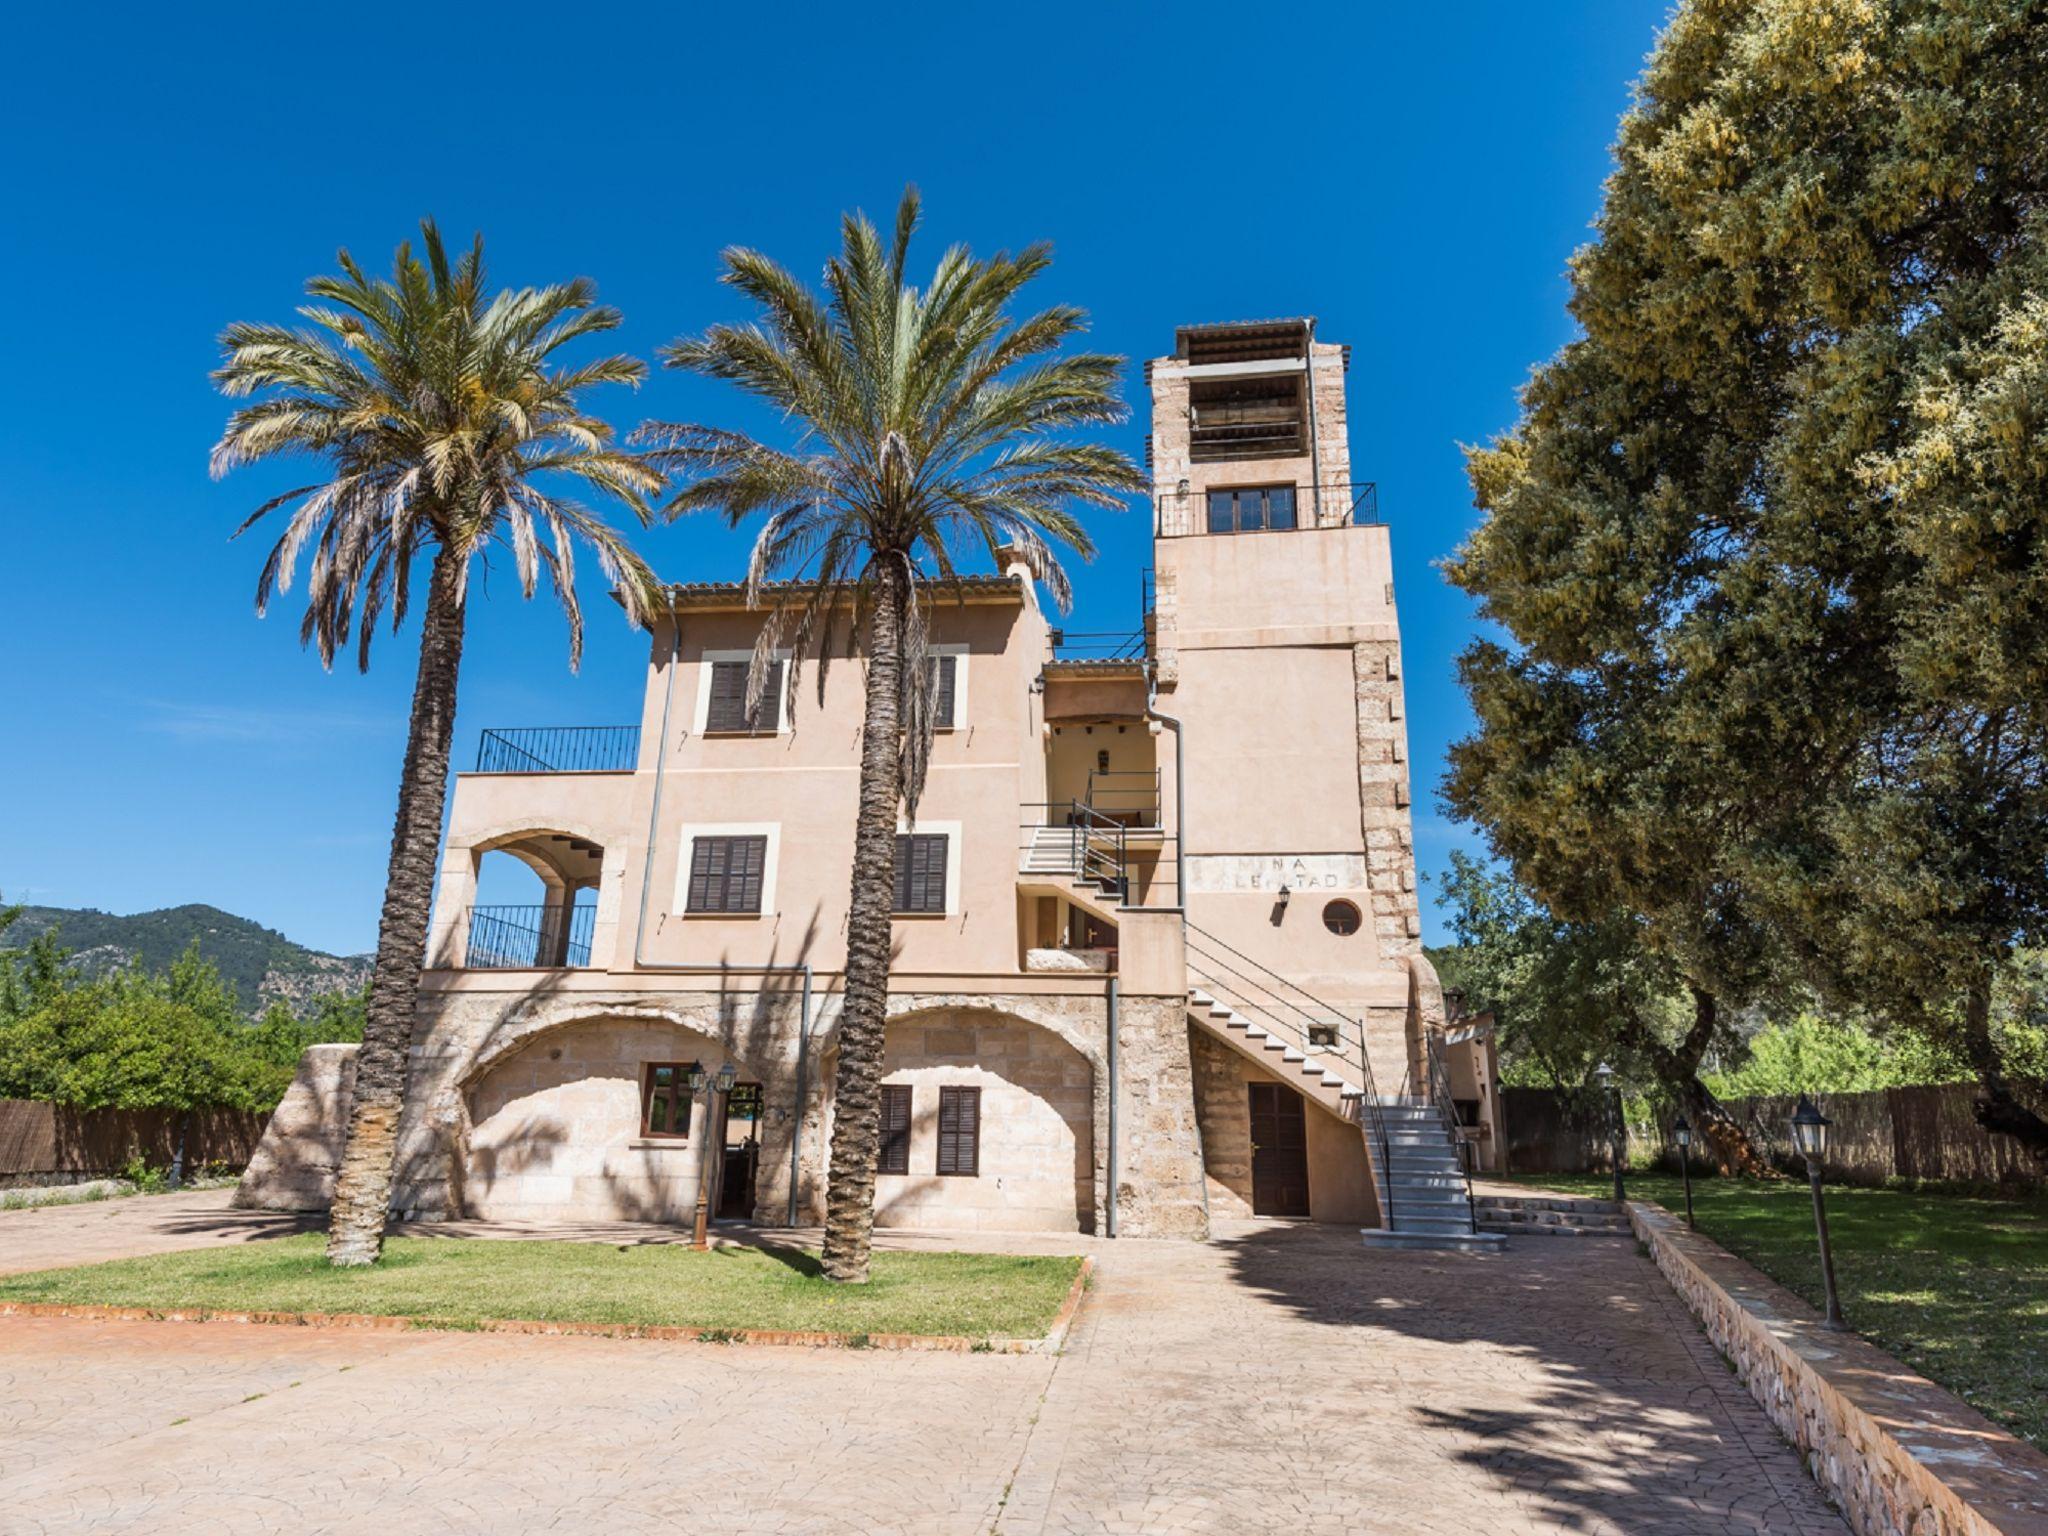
(1278,1379)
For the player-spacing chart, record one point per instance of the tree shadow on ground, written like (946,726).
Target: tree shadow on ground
(1563,1369)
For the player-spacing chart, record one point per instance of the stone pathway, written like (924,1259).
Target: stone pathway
(51,1237)
(1277,1379)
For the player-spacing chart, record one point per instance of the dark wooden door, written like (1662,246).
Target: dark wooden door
(1279,1151)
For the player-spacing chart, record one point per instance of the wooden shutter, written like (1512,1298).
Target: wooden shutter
(895,1156)
(728,708)
(920,872)
(960,1132)
(726,874)
(944,670)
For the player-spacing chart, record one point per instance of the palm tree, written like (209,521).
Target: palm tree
(441,425)
(927,429)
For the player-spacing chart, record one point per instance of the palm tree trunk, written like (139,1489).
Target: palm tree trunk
(362,1187)
(857,1083)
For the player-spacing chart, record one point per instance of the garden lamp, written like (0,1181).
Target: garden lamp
(1681,1132)
(1604,1075)
(1810,1136)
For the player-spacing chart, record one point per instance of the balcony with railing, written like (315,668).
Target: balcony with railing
(529,937)
(1239,509)
(559,749)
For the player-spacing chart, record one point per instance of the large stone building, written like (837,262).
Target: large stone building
(1157,950)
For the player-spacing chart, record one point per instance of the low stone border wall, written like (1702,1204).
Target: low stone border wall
(1900,1456)
(1050,1343)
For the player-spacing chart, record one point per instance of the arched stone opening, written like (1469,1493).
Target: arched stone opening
(558,1129)
(534,895)
(1036,1125)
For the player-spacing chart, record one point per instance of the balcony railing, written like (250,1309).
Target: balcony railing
(529,938)
(1179,514)
(1098,645)
(560,749)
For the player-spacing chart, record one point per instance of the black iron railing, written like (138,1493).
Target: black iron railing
(1439,1078)
(1129,795)
(529,938)
(1180,514)
(1098,645)
(1302,1019)
(560,749)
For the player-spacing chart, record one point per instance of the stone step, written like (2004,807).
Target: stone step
(1588,1207)
(1581,1220)
(1417,1183)
(1541,1229)
(1468,1242)
(1447,1225)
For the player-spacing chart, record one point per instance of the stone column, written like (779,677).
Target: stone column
(1383,811)
(1159,1189)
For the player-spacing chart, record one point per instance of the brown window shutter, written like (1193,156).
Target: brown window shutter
(728,711)
(920,872)
(895,1148)
(726,874)
(960,1132)
(944,670)
(769,718)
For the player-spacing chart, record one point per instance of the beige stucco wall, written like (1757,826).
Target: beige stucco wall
(1037,1155)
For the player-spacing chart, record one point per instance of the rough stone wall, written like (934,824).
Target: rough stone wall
(1383,809)
(1161,1189)
(1896,1453)
(1037,1146)
(294,1165)
(1225,1119)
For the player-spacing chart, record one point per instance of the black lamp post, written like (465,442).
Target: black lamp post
(1615,1129)
(1810,1136)
(1681,1132)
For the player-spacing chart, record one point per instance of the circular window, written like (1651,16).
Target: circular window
(1342,917)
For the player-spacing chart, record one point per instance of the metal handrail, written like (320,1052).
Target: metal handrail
(1147,786)
(559,749)
(1184,514)
(1202,949)
(1440,1094)
(1097,846)
(1097,644)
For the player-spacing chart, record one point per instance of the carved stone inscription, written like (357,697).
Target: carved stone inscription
(1270,871)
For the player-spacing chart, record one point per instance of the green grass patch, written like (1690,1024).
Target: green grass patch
(1955,1286)
(456,1283)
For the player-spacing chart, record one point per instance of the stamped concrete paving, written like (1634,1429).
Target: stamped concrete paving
(1279,1379)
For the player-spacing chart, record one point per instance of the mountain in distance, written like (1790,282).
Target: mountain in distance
(258,962)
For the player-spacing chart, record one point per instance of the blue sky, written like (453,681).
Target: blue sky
(1413,176)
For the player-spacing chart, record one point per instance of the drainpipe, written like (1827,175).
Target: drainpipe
(1315,447)
(642,963)
(1109,1196)
(1180,786)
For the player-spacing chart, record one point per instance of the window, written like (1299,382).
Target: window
(727,709)
(1342,918)
(920,872)
(960,1132)
(725,874)
(895,1156)
(1251,508)
(665,1099)
(945,673)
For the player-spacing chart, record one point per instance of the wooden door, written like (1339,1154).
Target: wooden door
(1279,1151)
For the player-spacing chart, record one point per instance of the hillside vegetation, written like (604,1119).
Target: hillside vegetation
(259,964)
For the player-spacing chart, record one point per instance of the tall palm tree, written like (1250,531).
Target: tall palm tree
(442,426)
(927,430)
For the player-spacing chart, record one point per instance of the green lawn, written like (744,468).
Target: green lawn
(457,1282)
(1955,1286)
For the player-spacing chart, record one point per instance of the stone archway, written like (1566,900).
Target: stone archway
(1038,1122)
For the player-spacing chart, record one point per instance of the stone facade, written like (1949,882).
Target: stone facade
(1383,808)
(527,1108)
(1037,1135)
(1340,1179)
